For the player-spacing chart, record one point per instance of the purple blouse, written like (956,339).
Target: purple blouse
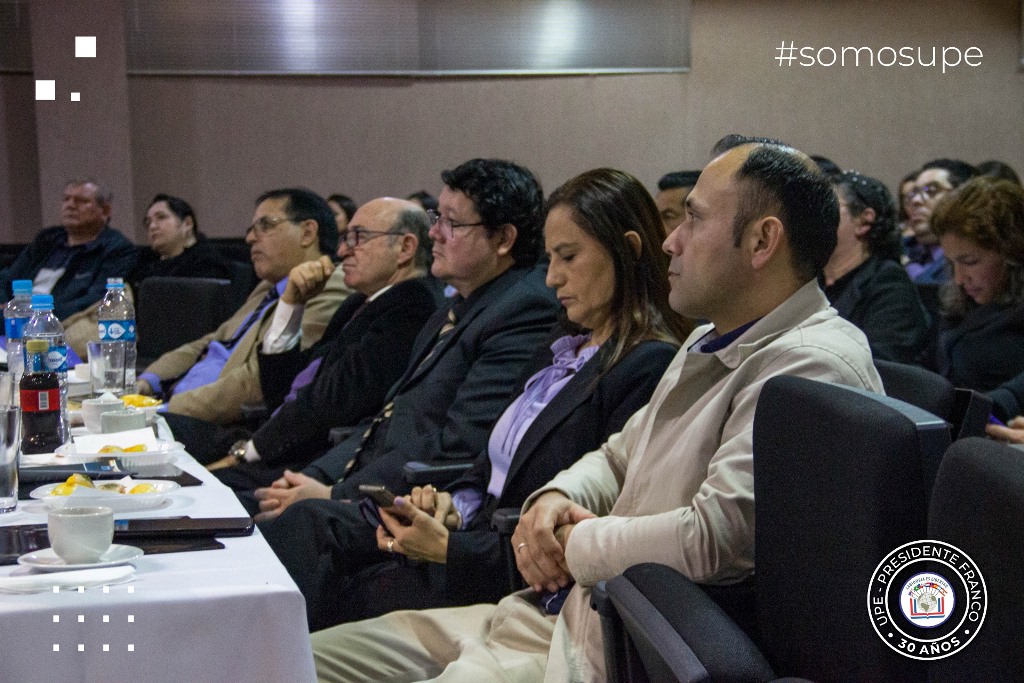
(517,418)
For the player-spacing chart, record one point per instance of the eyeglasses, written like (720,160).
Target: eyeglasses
(446,225)
(928,191)
(265,225)
(353,238)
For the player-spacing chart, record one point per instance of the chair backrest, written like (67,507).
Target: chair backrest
(977,506)
(172,311)
(965,410)
(839,483)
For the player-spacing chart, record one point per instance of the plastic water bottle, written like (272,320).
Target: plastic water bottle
(17,313)
(44,325)
(117,337)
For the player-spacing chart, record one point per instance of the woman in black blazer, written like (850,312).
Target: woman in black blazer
(980,226)
(603,237)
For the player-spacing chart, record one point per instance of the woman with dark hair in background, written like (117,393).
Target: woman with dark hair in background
(343,208)
(980,226)
(863,278)
(603,236)
(176,247)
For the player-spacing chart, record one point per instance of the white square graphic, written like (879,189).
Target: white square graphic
(56,647)
(46,90)
(106,647)
(77,97)
(81,647)
(85,46)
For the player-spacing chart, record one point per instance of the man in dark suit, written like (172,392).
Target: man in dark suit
(466,363)
(385,253)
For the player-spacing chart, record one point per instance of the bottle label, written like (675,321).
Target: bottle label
(57,359)
(117,330)
(13,327)
(40,400)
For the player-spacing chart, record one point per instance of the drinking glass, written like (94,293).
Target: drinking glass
(10,443)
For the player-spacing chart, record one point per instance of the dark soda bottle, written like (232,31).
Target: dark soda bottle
(40,402)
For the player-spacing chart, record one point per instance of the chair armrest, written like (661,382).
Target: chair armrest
(971,410)
(677,627)
(504,520)
(420,473)
(338,434)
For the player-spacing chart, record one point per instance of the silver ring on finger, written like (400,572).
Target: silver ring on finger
(391,545)
(520,547)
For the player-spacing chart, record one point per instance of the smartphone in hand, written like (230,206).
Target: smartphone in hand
(374,497)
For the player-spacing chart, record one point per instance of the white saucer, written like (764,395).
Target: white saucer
(46,560)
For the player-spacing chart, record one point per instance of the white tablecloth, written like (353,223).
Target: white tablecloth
(231,615)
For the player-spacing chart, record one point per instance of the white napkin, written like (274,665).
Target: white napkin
(88,578)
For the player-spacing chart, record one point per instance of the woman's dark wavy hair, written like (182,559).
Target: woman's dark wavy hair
(606,204)
(504,193)
(180,208)
(863,192)
(990,213)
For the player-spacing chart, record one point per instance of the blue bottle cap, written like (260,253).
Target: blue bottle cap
(42,302)
(21,287)
(115,283)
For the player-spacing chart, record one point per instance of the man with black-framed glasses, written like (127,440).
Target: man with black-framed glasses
(212,377)
(385,254)
(925,261)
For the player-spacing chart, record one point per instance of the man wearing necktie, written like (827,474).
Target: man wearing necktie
(464,367)
(213,376)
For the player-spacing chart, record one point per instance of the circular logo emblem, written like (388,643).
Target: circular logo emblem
(927,599)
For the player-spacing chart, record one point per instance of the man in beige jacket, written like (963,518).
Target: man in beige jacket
(676,485)
(291,239)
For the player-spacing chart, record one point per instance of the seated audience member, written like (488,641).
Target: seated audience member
(1008,399)
(343,209)
(999,169)
(212,377)
(671,198)
(924,254)
(906,188)
(176,249)
(863,278)
(343,378)
(828,167)
(602,236)
(73,260)
(675,486)
(981,229)
(424,199)
(466,362)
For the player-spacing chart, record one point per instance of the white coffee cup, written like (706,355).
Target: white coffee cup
(79,535)
(92,408)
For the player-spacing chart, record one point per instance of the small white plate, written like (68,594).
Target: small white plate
(46,560)
(118,502)
(164,452)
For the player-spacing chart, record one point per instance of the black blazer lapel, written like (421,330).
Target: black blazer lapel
(576,392)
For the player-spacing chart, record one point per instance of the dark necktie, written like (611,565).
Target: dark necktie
(253,317)
(385,414)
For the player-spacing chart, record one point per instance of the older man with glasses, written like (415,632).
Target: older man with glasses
(925,261)
(385,255)
(214,376)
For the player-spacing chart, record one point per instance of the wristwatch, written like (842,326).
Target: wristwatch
(237,451)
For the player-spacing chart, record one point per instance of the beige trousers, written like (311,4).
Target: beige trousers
(505,642)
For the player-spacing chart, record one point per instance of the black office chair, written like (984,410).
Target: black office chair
(171,311)
(835,490)
(977,506)
(965,410)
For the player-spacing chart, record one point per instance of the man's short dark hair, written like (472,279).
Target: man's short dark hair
(777,180)
(671,181)
(346,203)
(504,193)
(732,140)
(828,167)
(425,199)
(304,205)
(415,222)
(959,171)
